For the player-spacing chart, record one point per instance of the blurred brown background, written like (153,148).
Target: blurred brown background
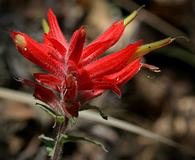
(161,102)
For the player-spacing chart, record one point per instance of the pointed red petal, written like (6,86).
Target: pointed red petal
(76,45)
(73,109)
(51,42)
(55,31)
(111,63)
(37,53)
(43,94)
(96,49)
(55,44)
(106,85)
(54,53)
(84,81)
(46,40)
(102,43)
(126,73)
(48,80)
(71,86)
(87,95)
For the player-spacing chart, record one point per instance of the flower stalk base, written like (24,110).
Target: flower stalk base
(57,151)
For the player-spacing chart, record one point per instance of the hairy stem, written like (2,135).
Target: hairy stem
(57,153)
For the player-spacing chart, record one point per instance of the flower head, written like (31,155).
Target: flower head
(76,73)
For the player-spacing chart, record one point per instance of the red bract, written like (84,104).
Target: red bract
(76,73)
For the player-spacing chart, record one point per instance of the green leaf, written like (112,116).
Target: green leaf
(72,121)
(49,143)
(88,106)
(69,138)
(50,151)
(58,118)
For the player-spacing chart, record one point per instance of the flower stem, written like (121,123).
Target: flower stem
(57,153)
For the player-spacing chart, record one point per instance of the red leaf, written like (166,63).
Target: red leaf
(126,73)
(37,53)
(73,109)
(55,44)
(43,94)
(84,81)
(86,95)
(48,80)
(111,63)
(46,40)
(71,87)
(76,45)
(106,85)
(54,53)
(102,43)
(55,31)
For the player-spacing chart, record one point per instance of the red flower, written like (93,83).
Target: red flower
(76,73)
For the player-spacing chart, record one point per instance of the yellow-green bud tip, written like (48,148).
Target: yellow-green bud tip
(20,41)
(131,17)
(146,48)
(45,26)
(140,8)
